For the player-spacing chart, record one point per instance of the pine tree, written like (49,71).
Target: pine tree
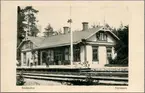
(26,21)
(48,31)
(31,20)
(20,25)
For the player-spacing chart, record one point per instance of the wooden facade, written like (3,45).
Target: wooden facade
(96,50)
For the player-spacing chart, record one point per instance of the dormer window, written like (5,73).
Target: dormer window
(101,36)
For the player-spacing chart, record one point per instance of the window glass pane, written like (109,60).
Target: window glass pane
(105,36)
(76,54)
(95,53)
(58,56)
(24,57)
(101,36)
(109,52)
(44,57)
(66,54)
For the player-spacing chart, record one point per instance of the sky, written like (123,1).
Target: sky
(57,14)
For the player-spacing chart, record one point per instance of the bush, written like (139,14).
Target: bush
(117,62)
(122,45)
(111,61)
(20,80)
(18,63)
(87,81)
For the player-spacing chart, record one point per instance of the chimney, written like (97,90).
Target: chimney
(85,25)
(66,29)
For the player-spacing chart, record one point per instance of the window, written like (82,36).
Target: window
(24,59)
(95,53)
(102,36)
(47,57)
(58,55)
(44,57)
(76,54)
(66,53)
(35,56)
(50,55)
(109,52)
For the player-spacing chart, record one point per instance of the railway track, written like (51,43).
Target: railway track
(77,76)
(98,80)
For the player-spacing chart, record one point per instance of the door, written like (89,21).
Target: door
(59,56)
(44,58)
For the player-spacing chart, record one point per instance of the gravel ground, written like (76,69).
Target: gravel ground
(34,82)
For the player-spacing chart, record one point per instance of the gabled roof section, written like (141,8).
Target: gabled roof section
(64,39)
(103,29)
(61,40)
(114,35)
(35,40)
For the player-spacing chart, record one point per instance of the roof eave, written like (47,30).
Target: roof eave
(114,35)
(60,45)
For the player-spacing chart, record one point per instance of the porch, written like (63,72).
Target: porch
(84,56)
(75,65)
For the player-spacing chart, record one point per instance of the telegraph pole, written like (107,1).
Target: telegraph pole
(71,39)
